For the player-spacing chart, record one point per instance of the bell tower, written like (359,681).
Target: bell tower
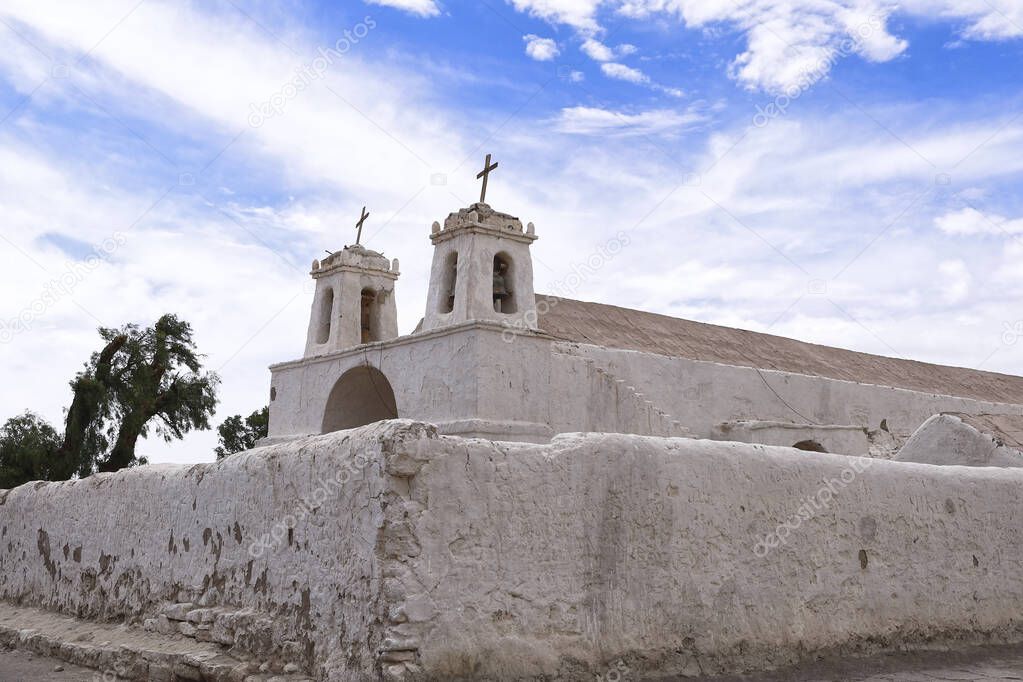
(482,270)
(354,301)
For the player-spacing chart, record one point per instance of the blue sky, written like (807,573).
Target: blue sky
(841,171)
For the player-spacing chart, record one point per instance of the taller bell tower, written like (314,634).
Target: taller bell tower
(482,270)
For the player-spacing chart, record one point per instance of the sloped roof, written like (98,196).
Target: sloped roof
(1007,429)
(614,327)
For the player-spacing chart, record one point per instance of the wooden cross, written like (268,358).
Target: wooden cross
(365,215)
(485,174)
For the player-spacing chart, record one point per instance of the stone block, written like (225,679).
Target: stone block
(178,611)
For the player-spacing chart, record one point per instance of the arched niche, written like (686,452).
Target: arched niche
(450,281)
(361,396)
(504,284)
(326,316)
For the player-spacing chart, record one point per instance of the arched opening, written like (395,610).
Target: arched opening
(447,298)
(809,446)
(362,395)
(325,317)
(504,279)
(369,317)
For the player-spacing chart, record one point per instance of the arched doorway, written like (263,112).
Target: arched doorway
(362,395)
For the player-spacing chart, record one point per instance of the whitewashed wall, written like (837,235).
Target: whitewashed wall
(440,556)
(481,379)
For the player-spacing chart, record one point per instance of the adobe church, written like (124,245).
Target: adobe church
(490,359)
(571,490)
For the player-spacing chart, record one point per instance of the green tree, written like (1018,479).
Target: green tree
(155,383)
(85,439)
(237,435)
(27,447)
(142,380)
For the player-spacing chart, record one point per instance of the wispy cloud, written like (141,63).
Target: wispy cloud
(595,121)
(785,40)
(970,221)
(422,8)
(624,73)
(150,131)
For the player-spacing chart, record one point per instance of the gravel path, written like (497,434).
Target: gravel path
(19,666)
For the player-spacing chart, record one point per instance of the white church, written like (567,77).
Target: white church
(571,491)
(491,359)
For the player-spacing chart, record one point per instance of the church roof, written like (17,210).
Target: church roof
(1007,429)
(614,327)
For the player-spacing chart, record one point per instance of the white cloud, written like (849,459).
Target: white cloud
(970,221)
(630,75)
(594,121)
(818,191)
(579,14)
(141,279)
(224,68)
(422,8)
(596,50)
(541,49)
(985,19)
(624,73)
(788,39)
(955,281)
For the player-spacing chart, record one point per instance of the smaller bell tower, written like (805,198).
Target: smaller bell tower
(354,301)
(482,270)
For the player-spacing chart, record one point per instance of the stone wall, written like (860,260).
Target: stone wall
(443,557)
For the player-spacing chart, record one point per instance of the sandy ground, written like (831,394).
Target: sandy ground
(982,664)
(18,666)
(987,664)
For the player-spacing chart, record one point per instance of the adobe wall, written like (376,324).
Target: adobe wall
(680,556)
(281,541)
(484,380)
(442,557)
(704,395)
(965,440)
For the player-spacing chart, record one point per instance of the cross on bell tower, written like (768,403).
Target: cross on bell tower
(482,269)
(358,237)
(485,174)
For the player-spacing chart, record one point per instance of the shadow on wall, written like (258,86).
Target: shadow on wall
(361,396)
(809,446)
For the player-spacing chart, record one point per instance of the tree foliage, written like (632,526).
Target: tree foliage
(156,382)
(141,381)
(27,446)
(237,434)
